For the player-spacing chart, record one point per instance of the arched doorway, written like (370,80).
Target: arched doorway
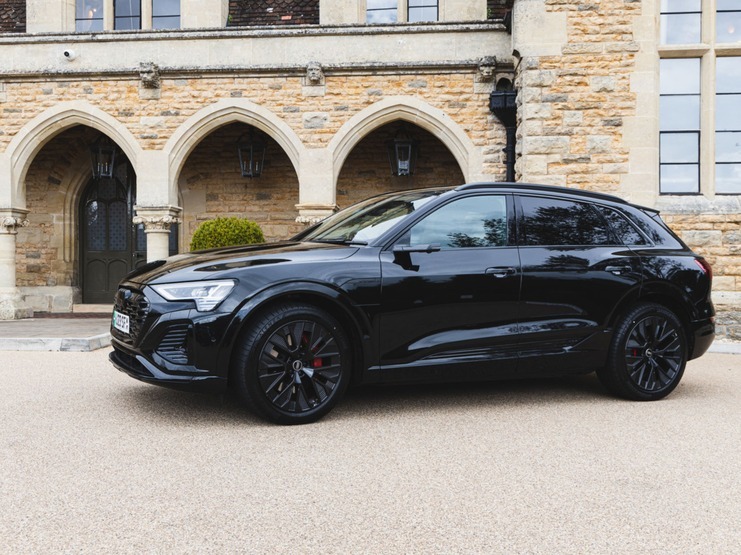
(110,246)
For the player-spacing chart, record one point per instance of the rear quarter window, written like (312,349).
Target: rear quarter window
(626,233)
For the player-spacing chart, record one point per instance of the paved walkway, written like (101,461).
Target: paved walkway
(55,334)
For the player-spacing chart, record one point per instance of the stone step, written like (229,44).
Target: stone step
(92,308)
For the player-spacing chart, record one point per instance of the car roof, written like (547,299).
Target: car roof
(550,189)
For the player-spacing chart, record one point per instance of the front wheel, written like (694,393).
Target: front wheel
(293,365)
(648,354)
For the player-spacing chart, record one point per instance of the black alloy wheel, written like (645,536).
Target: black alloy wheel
(648,354)
(294,365)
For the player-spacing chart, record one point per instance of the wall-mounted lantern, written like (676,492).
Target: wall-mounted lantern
(251,154)
(402,150)
(103,157)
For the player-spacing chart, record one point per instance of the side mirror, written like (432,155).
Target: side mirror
(403,254)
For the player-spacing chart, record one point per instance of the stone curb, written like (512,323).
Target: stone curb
(56,344)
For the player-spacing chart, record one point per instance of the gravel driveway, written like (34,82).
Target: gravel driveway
(96,462)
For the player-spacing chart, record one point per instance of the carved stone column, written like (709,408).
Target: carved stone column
(157,221)
(11,305)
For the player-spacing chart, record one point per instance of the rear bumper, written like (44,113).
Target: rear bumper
(139,367)
(704,333)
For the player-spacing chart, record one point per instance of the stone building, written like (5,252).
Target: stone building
(640,98)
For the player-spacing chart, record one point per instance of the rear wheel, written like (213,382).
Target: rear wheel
(648,354)
(293,365)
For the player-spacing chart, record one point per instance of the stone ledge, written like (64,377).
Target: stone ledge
(55,343)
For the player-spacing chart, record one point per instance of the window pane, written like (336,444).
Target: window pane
(728,112)
(422,14)
(124,8)
(680,76)
(165,7)
(89,15)
(680,179)
(679,113)
(557,222)
(728,179)
(680,28)
(166,22)
(728,78)
(381,11)
(680,148)
(673,6)
(466,223)
(728,27)
(728,147)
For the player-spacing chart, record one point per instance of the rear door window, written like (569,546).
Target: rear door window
(555,222)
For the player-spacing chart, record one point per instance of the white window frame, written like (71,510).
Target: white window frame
(708,51)
(146,15)
(402,11)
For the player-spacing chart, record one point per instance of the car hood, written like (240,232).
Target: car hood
(202,265)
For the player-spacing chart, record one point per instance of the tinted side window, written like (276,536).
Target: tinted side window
(626,233)
(464,223)
(559,222)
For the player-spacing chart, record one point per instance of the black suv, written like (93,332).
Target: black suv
(476,282)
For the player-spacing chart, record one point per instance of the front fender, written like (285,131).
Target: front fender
(333,299)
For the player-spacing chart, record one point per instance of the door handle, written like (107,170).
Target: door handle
(618,270)
(500,272)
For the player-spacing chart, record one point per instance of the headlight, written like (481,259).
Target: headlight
(206,294)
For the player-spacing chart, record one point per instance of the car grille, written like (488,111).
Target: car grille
(134,305)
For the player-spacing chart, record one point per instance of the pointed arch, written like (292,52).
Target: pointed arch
(221,113)
(32,137)
(412,110)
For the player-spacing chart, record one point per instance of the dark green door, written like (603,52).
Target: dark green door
(109,245)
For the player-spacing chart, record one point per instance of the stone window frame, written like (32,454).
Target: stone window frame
(145,15)
(707,51)
(402,11)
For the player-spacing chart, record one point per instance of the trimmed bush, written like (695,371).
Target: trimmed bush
(226,232)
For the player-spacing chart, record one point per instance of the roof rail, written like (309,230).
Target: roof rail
(542,188)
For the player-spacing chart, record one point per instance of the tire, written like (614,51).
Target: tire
(647,355)
(293,364)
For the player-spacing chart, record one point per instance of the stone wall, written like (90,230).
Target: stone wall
(314,117)
(573,105)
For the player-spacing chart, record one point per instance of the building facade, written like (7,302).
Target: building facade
(632,97)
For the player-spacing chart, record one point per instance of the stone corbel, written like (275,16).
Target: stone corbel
(11,220)
(313,83)
(310,214)
(150,82)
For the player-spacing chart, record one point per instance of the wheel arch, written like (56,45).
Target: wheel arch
(335,302)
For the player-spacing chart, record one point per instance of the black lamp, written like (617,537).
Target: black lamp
(402,150)
(103,157)
(251,154)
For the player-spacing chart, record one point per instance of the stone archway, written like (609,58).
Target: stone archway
(417,112)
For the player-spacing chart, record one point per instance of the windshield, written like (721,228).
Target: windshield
(363,222)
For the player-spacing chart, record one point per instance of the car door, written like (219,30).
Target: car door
(574,273)
(449,295)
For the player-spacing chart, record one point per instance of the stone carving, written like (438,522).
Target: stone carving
(314,74)
(487,67)
(156,223)
(149,73)
(10,224)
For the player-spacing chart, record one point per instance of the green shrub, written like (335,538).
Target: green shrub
(226,232)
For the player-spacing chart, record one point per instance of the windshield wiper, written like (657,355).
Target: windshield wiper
(351,242)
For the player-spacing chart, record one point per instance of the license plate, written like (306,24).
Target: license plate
(121,322)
